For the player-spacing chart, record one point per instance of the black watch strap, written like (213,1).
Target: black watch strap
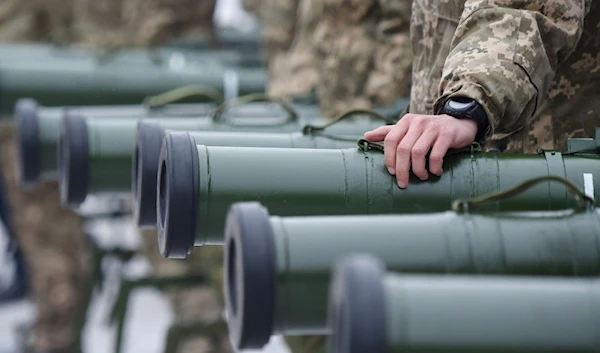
(468,108)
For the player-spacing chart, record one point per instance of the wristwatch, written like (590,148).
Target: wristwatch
(468,108)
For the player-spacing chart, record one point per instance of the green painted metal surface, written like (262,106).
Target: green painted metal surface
(38,130)
(541,243)
(57,76)
(111,141)
(275,140)
(321,134)
(373,311)
(351,181)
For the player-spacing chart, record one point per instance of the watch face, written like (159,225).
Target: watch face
(459,105)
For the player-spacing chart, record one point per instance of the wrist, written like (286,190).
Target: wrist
(469,126)
(471,111)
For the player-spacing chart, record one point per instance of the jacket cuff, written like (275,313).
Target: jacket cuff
(473,91)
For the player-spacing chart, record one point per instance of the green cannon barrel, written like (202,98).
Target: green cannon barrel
(375,311)
(175,53)
(342,134)
(294,255)
(94,156)
(299,182)
(38,131)
(100,160)
(57,77)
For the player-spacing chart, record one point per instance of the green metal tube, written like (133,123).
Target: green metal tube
(297,254)
(102,161)
(186,50)
(95,155)
(373,311)
(38,131)
(275,140)
(147,153)
(57,77)
(221,131)
(297,182)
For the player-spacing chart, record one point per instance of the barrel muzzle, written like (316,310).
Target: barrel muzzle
(73,159)
(177,195)
(249,270)
(27,134)
(357,306)
(145,172)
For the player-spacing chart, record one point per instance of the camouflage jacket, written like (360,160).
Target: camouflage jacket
(279,21)
(143,23)
(363,53)
(294,73)
(533,65)
(36,20)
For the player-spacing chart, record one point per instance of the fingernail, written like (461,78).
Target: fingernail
(402,184)
(392,171)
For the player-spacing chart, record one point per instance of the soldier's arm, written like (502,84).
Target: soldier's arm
(505,54)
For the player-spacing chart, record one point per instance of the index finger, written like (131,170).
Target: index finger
(378,134)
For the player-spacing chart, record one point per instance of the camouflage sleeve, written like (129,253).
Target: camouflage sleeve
(112,24)
(505,53)
(390,77)
(279,19)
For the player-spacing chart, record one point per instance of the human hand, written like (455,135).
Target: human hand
(407,143)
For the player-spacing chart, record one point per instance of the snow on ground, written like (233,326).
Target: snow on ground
(149,312)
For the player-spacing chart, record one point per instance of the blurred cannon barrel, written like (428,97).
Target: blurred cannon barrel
(38,131)
(341,134)
(57,76)
(282,265)
(94,156)
(304,182)
(375,311)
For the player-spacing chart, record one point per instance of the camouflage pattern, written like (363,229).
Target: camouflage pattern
(533,65)
(294,72)
(390,77)
(202,304)
(54,249)
(141,23)
(363,53)
(279,22)
(36,20)
(105,23)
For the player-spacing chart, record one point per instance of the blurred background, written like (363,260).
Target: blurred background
(150,313)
